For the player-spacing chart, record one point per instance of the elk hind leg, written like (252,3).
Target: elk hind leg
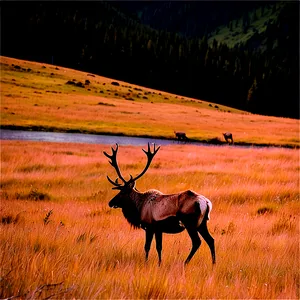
(196,242)
(149,237)
(158,239)
(203,230)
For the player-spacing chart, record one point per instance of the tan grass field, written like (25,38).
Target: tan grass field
(60,240)
(37,96)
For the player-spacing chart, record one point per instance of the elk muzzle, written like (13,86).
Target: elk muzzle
(115,202)
(112,204)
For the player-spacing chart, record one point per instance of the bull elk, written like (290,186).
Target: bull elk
(158,213)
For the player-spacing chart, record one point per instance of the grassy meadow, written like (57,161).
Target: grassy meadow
(36,96)
(59,238)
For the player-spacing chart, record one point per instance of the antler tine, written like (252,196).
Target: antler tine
(116,183)
(114,163)
(114,152)
(150,156)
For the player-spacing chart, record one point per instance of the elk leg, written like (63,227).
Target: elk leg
(195,241)
(158,239)
(149,237)
(208,239)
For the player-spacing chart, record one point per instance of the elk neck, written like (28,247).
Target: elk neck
(132,208)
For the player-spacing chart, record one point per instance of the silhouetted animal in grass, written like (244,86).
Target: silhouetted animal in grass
(181,136)
(228,137)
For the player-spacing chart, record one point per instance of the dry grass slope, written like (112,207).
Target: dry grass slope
(59,239)
(36,96)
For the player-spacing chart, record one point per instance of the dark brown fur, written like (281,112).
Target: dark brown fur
(228,137)
(181,136)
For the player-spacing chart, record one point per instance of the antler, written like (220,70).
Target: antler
(150,156)
(114,163)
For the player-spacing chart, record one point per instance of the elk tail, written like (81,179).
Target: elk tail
(208,210)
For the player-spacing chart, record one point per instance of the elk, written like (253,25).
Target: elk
(158,213)
(181,136)
(228,137)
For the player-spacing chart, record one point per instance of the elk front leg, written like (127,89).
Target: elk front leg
(149,237)
(158,239)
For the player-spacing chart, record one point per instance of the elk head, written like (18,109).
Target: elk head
(127,186)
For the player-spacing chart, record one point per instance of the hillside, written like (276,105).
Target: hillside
(37,96)
(232,23)
(102,38)
(192,19)
(247,28)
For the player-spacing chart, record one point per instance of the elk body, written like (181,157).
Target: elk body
(228,137)
(158,213)
(181,136)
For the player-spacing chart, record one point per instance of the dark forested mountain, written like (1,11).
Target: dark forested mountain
(188,18)
(242,54)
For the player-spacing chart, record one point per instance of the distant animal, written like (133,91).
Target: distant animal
(181,136)
(228,137)
(158,213)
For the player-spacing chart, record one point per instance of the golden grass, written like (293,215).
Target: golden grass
(90,252)
(37,98)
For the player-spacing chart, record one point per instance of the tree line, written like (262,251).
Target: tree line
(97,37)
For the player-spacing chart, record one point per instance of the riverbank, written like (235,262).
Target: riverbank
(213,141)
